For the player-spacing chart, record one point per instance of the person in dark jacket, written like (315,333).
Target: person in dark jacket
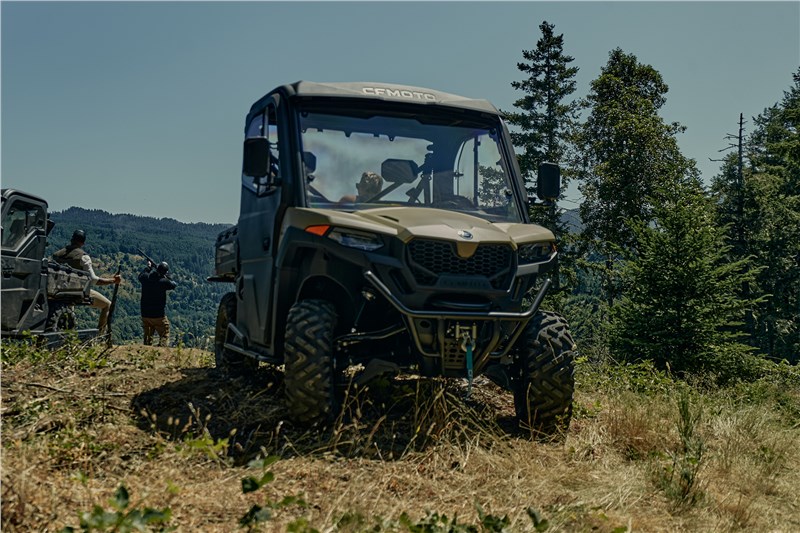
(74,256)
(155,284)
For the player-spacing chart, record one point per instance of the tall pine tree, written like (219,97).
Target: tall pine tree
(545,118)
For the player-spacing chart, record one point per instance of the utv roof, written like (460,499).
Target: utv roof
(380,91)
(7,193)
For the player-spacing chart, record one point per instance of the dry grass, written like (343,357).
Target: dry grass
(76,426)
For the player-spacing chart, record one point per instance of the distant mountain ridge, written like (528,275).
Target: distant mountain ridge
(572,219)
(102,223)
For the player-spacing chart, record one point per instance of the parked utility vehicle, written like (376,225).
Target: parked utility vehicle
(437,272)
(38,295)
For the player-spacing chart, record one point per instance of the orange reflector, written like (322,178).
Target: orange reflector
(318,230)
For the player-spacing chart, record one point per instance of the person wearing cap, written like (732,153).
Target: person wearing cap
(155,285)
(74,255)
(369,186)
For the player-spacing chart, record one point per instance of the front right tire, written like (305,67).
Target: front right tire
(309,363)
(544,380)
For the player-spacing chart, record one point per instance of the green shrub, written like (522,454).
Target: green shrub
(122,520)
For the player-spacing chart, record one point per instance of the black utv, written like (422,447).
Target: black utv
(388,226)
(38,295)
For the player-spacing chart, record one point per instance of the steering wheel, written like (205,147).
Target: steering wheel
(315,192)
(454,202)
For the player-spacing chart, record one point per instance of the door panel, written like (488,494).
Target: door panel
(260,203)
(24,277)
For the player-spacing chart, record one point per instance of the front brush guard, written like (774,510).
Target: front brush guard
(520,318)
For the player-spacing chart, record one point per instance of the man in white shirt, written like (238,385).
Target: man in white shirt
(74,256)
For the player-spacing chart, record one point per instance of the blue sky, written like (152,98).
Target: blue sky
(138,107)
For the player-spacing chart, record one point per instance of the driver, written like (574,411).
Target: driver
(369,186)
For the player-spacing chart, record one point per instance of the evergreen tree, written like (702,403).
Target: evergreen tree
(628,153)
(682,302)
(770,222)
(545,119)
(727,194)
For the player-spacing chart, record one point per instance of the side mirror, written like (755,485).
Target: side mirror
(548,182)
(399,171)
(255,162)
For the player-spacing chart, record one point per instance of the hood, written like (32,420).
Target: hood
(430,223)
(409,223)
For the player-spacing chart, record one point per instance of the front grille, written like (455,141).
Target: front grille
(430,259)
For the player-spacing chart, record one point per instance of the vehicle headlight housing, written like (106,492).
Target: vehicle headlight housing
(536,252)
(361,240)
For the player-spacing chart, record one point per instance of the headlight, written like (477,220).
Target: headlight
(356,239)
(536,253)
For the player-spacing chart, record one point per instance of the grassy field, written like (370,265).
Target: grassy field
(99,439)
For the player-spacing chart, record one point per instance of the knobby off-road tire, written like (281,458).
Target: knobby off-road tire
(545,374)
(228,362)
(61,318)
(309,363)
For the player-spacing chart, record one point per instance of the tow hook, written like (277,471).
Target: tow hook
(467,335)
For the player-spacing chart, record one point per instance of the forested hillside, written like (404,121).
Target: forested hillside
(114,240)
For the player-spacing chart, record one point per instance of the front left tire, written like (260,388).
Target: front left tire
(309,363)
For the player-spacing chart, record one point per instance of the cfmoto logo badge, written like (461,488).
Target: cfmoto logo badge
(464,234)
(398,93)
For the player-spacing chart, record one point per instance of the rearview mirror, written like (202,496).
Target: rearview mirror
(310,161)
(548,182)
(399,171)
(255,162)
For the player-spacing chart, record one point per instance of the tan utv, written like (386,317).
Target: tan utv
(387,226)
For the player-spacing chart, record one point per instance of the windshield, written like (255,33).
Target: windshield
(360,160)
